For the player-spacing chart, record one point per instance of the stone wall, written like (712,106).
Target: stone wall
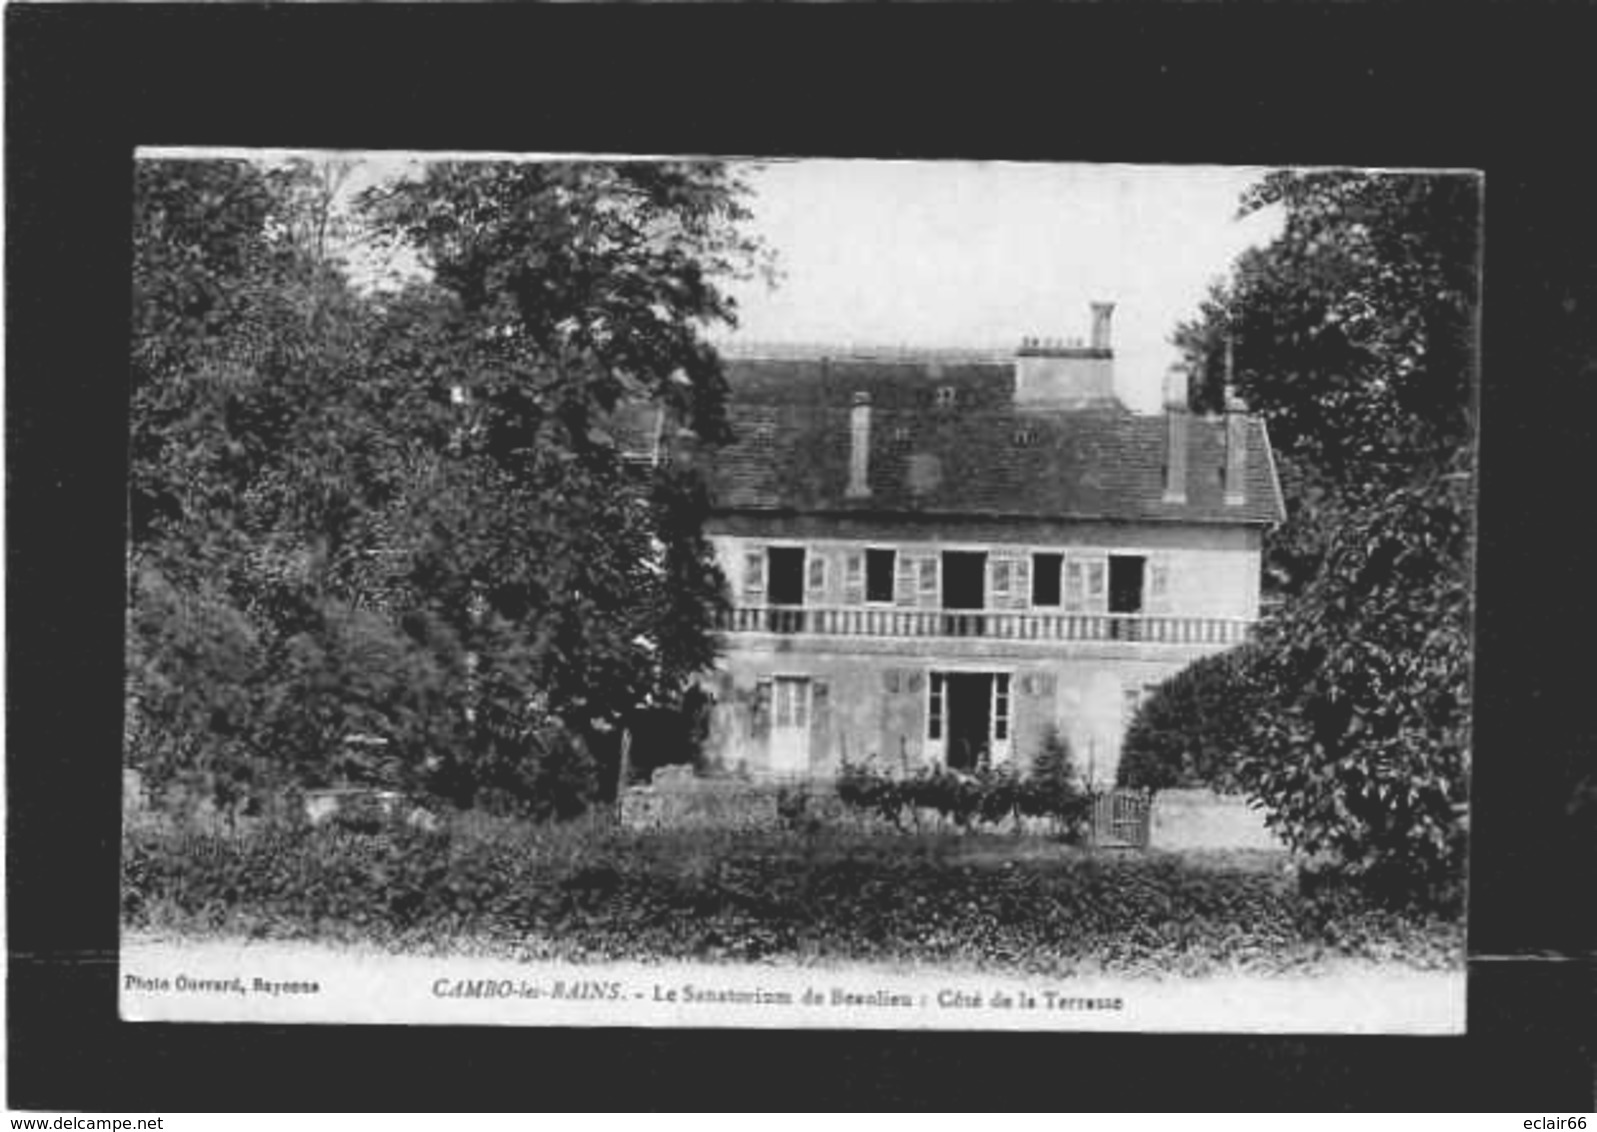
(1202,819)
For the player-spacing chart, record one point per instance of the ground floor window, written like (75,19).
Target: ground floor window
(790,724)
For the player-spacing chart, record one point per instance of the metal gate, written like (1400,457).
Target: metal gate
(1120,819)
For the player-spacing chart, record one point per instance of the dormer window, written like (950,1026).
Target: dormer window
(945,396)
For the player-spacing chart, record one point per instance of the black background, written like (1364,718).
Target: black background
(1507,91)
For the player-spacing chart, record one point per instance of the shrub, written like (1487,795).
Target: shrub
(582,891)
(1052,788)
(987,796)
(1194,729)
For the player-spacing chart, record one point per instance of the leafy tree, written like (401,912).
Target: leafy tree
(1362,751)
(405,514)
(1353,335)
(567,292)
(1195,726)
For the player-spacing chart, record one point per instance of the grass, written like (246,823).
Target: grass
(588,891)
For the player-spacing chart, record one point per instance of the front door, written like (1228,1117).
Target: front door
(790,724)
(969,718)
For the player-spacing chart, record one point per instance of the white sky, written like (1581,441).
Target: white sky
(982,254)
(973,254)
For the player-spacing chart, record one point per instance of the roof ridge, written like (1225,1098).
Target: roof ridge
(861,351)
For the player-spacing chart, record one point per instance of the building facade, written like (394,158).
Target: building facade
(936,558)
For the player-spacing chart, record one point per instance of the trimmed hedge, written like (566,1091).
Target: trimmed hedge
(583,892)
(1191,730)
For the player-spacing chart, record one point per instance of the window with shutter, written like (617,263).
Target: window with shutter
(1022,583)
(1045,576)
(879,569)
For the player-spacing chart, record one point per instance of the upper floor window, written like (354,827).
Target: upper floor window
(945,396)
(1045,570)
(880,566)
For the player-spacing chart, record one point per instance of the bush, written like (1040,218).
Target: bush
(1052,789)
(582,891)
(988,796)
(1194,729)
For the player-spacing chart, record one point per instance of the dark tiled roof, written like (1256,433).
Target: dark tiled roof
(892,383)
(982,456)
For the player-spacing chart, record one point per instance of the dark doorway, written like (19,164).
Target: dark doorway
(964,587)
(970,706)
(785,566)
(1125,583)
(787,575)
(1125,595)
(1045,569)
(879,567)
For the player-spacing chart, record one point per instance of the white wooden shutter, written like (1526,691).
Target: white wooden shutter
(1010,581)
(754,575)
(1075,585)
(854,577)
(904,583)
(1097,585)
(1022,598)
(1001,582)
(928,581)
(815,577)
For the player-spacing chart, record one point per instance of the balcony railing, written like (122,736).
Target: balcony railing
(1032,625)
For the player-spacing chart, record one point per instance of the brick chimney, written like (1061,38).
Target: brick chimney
(859,447)
(1177,429)
(1236,449)
(1101,313)
(1053,373)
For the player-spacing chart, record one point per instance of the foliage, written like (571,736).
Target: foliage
(1353,336)
(1364,752)
(988,796)
(1053,789)
(581,891)
(572,290)
(406,514)
(1196,725)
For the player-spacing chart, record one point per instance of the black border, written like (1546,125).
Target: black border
(1473,86)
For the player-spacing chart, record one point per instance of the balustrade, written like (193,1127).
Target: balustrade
(1029,625)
